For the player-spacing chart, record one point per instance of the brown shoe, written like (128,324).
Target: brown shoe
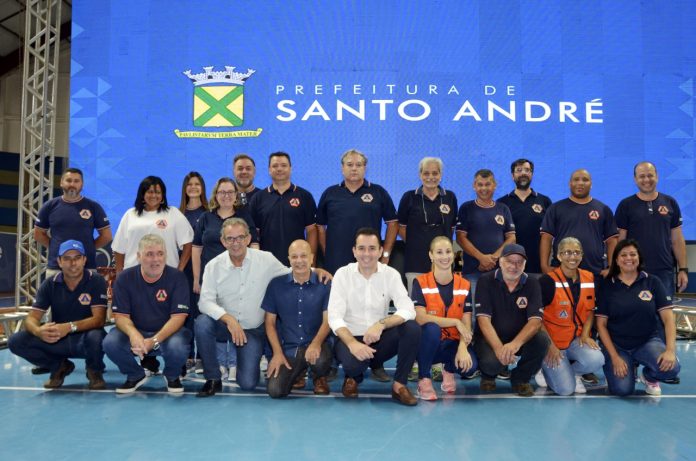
(300,383)
(96,380)
(523,389)
(404,396)
(487,384)
(58,376)
(321,386)
(350,388)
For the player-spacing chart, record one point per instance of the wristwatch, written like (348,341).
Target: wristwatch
(73,327)
(155,343)
(684,269)
(385,254)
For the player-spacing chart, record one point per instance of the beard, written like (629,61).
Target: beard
(523,183)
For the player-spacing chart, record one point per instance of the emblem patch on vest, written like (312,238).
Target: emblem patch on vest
(563,314)
(161,295)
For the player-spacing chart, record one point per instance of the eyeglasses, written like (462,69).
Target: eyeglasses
(238,239)
(523,170)
(569,253)
(226,192)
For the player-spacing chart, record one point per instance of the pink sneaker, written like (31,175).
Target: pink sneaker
(448,385)
(425,389)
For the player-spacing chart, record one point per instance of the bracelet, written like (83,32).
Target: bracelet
(683,269)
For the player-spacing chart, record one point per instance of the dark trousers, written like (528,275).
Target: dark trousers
(401,341)
(434,350)
(281,385)
(531,355)
(84,345)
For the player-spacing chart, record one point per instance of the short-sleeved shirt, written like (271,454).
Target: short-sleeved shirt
(207,233)
(72,221)
(509,312)
(632,311)
(300,309)
(71,305)
(446,293)
(424,220)
(592,223)
(150,305)
(651,224)
(344,212)
(485,228)
(282,218)
(527,217)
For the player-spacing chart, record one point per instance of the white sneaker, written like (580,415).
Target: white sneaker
(232,375)
(223,372)
(651,387)
(579,386)
(264,364)
(540,379)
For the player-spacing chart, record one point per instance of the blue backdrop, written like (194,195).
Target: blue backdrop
(593,84)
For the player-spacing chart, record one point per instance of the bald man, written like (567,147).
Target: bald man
(585,218)
(297,325)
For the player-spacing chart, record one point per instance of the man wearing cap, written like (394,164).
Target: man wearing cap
(71,216)
(77,299)
(150,306)
(509,316)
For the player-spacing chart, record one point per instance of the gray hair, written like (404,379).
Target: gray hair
(568,241)
(150,240)
(353,152)
(229,222)
(425,160)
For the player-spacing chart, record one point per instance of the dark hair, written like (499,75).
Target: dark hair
(184,197)
(279,154)
(484,173)
(145,184)
(242,157)
(72,170)
(367,231)
(521,161)
(614,268)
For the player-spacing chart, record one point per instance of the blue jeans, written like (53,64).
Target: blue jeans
(174,350)
(561,379)
(84,345)
(433,350)
(646,355)
(209,332)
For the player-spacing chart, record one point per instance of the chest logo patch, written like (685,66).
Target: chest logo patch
(161,224)
(161,295)
(499,219)
(85,214)
(85,299)
(367,198)
(645,295)
(444,209)
(537,208)
(522,302)
(663,210)
(563,314)
(594,215)
(294,202)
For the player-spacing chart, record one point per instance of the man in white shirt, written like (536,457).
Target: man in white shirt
(358,315)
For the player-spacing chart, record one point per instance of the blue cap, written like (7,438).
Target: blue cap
(514,249)
(71,245)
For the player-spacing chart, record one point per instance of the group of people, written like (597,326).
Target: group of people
(238,271)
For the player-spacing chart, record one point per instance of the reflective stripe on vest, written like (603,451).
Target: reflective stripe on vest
(435,306)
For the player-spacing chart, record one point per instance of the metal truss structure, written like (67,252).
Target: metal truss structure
(685,318)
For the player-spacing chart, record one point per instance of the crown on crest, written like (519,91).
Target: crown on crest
(221,76)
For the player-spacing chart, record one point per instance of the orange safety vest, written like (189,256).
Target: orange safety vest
(563,319)
(435,306)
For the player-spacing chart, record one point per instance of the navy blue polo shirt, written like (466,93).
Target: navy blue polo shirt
(245,197)
(485,228)
(282,218)
(527,217)
(592,223)
(651,224)
(425,219)
(207,233)
(632,311)
(150,305)
(300,308)
(344,212)
(71,305)
(446,293)
(72,220)
(509,312)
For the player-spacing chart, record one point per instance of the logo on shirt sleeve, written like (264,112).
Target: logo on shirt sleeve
(663,210)
(645,295)
(444,209)
(522,302)
(500,219)
(367,198)
(161,295)
(537,208)
(294,202)
(85,299)
(85,214)
(594,215)
(161,223)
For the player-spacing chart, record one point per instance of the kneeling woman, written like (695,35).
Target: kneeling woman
(444,312)
(629,330)
(568,294)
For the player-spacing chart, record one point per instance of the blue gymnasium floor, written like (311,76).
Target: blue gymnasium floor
(74,423)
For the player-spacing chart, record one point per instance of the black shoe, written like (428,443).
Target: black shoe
(590,378)
(130,386)
(57,377)
(210,387)
(150,365)
(39,371)
(174,386)
(380,374)
(505,374)
(674,380)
